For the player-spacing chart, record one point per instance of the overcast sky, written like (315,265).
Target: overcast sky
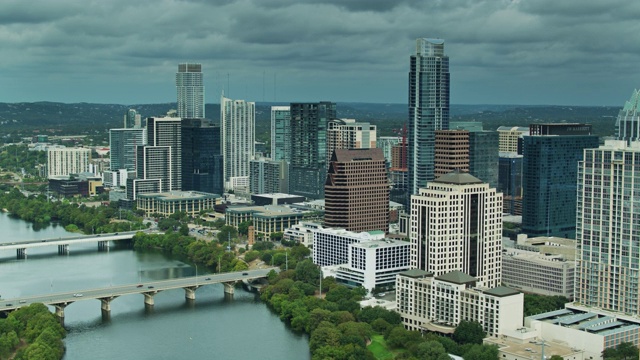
(571,52)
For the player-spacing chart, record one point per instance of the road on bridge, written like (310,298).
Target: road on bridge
(139,288)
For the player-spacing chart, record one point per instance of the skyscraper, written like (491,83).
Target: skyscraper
(190,89)
(608,224)
(550,168)
(237,119)
(122,144)
(280,133)
(456,225)
(202,165)
(309,146)
(428,108)
(451,151)
(357,191)
(628,122)
(132,119)
(483,150)
(349,134)
(166,132)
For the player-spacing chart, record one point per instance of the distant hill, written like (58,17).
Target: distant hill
(27,119)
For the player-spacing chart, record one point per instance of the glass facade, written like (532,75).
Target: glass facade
(309,146)
(550,169)
(201,157)
(428,108)
(280,133)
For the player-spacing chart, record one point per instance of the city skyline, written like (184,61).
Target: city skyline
(503,52)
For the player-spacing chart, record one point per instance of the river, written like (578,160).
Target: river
(212,327)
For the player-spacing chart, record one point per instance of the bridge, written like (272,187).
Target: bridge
(149,289)
(63,242)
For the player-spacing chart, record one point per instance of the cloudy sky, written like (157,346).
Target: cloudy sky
(571,52)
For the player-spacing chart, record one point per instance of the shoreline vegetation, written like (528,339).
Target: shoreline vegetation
(336,325)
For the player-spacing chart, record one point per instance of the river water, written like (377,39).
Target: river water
(212,327)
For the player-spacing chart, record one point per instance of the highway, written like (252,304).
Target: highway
(138,288)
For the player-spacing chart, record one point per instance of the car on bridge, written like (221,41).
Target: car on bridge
(77,295)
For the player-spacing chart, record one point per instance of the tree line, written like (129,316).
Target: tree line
(31,332)
(340,329)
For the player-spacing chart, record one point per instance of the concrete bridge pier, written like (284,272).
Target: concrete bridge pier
(21,253)
(60,311)
(229,287)
(103,245)
(190,292)
(148,298)
(63,249)
(105,306)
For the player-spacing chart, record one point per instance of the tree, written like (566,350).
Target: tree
(227,232)
(325,334)
(431,350)
(243,227)
(308,272)
(469,332)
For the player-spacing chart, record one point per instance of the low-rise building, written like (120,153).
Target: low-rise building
(266,220)
(538,273)
(589,329)
(374,263)
(165,204)
(331,246)
(302,233)
(275,199)
(428,303)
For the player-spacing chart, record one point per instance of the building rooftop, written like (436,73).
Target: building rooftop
(501,291)
(381,243)
(457,277)
(416,273)
(278,196)
(348,155)
(179,195)
(591,320)
(458,177)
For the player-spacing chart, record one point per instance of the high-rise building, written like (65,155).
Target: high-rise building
(510,182)
(357,191)
(237,118)
(349,134)
(428,108)
(122,144)
(451,151)
(550,169)
(280,133)
(309,147)
(63,161)
(132,119)
(456,225)
(386,143)
(608,228)
(190,91)
(483,150)
(628,122)
(508,137)
(165,132)
(202,166)
(154,163)
(269,176)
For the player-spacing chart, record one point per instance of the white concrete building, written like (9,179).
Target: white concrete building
(331,246)
(349,134)
(302,233)
(374,263)
(237,121)
(589,329)
(538,273)
(456,225)
(438,303)
(63,161)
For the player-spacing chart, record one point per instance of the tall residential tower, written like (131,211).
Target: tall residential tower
(237,120)
(190,89)
(428,108)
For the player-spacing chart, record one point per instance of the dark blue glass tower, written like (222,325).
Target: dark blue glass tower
(202,168)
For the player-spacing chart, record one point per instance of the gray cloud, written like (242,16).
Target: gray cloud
(501,51)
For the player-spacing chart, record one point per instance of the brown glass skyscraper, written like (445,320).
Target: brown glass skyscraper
(357,191)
